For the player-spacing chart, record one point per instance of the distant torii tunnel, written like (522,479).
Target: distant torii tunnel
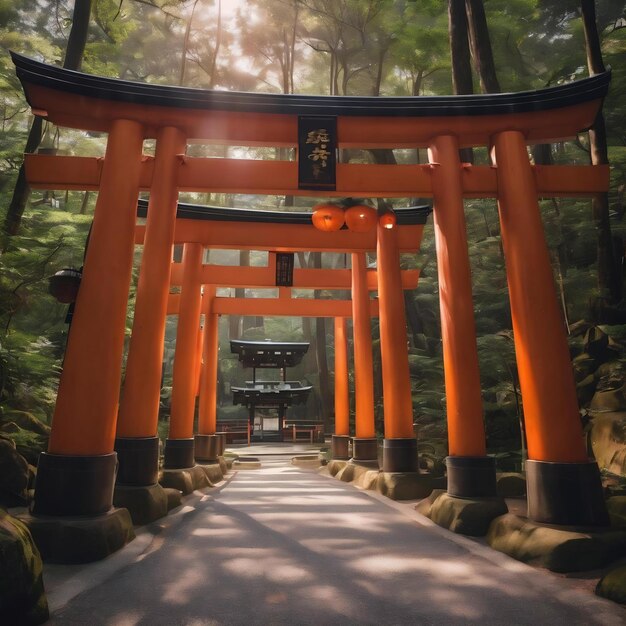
(563,483)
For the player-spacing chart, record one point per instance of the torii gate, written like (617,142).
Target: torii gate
(563,484)
(191,275)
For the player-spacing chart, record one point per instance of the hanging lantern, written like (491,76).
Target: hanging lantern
(361,218)
(64,285)
(327,217)
(387,219)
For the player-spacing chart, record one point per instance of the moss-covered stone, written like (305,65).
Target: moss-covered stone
(466,516)
(424,507)
(26,421)
(405,485)
(213,472)
(145,504)
(306,460)
(510,485)
(199,479)
(174,498)
(22,597)
(616,506)
(560,550)
(608,441)
(80,539)
(177,479)
(14,475)
(613,585)
(335,465)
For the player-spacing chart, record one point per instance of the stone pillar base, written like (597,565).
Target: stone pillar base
(185,480)
(464,516)
(222,445)
(179,454)
(138,459)
(207,447)
(400,455)
(80,539)
(365,451)
(339,447)
(568,494)
(471,476)
(144,503)
(74,485)
(213,472)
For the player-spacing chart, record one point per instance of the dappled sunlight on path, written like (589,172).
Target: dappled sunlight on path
(283,545)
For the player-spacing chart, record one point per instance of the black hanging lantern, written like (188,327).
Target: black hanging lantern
(64,284)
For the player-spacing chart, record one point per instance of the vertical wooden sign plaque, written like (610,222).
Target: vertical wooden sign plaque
(317,148)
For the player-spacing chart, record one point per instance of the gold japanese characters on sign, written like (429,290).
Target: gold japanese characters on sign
(317,144)
(320,153)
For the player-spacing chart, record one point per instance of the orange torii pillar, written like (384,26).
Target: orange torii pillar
(563,484)
(471,473)
(179,446)
(364,443)
(137,443)
(341,438)
(400,444)
(77,474)
(207,441)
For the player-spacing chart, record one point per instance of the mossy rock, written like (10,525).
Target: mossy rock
(174,498)
(405,485)
(609,399)
(14,475)
(511,485)
(80,539)
(616,506)
(22,597)
(612,585)
(26,421)
(558,549)
(145,503)
(466,516)
(424,507)
(335,466)
(28,443)
(9,427)
(177,479)
(213,472)
(608,441)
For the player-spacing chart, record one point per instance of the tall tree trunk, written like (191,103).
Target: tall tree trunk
(481,46)
(461,59)
(74,51)
(183,60)
(609,279)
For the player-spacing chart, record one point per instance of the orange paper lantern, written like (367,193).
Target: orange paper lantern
(327,217)
(387,220)
(361,218)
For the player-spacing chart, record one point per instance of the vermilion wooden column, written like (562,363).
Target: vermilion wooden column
(400,445)
(179,448)
(207,442)
(198,361)
(77,474)
(364,443)
(471,473)
(563,484)
(137,443)
(342,394)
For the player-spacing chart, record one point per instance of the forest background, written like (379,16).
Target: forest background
(339,47)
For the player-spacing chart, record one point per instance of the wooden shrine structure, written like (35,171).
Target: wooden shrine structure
(267,394)
(92,427)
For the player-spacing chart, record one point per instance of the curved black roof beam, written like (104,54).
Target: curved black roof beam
(34,72)
(405,216)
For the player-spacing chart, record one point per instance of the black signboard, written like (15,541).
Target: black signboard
(317,148)
(284,269)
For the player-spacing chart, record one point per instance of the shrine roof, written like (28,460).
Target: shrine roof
(32,72)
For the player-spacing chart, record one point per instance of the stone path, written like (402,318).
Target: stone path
(283,545)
